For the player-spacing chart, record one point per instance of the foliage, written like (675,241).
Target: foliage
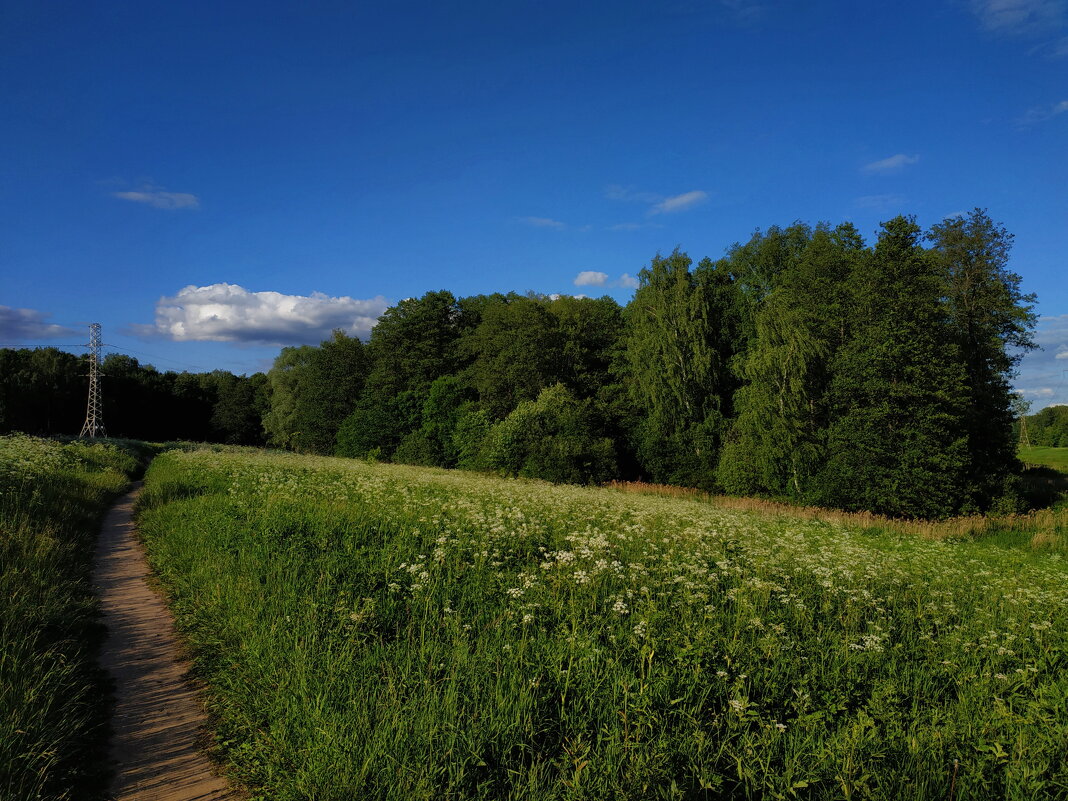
(897,444)
(311,392)
(991,322)
(680,340)
(413,344)
(553,438)
(387,632)
(778,437)
(43,392)
(515,353)
(803,366)
(1049,427)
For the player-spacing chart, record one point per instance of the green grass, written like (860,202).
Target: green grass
(52,697)
(387,632)
(1057,458)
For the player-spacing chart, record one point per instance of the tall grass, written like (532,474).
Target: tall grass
(387,632)
(52,718)
(1043,528)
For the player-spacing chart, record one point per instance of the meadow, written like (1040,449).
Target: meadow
(53,716)
(388,632)
(1056,458)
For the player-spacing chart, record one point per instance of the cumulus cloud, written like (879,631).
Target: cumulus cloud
(594,278)
(1042,113)
(542,222)
(591,278)
(231,313)
(1020,17)
(889,165)
(160,199)
(1043,374)
(687,200)
(22,325)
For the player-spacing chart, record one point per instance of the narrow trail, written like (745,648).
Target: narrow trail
(158,722)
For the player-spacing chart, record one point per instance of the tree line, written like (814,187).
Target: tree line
(804,365)
(43,391)
(1048,427)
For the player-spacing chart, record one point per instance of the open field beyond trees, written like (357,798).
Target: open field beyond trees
(1057,458)
(381,631)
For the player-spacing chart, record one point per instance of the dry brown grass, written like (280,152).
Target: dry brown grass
(1048,525)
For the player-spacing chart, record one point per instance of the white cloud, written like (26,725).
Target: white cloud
(1042,113)
(231,313)
(542,222)
(880,202)
(888,165)
(160,199)
(591,278)
(659,204)
(675,203)
(628,194)
(1020,17)
(21,325)
(1042,373)
(594,278)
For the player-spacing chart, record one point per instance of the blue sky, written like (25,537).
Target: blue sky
(211,181)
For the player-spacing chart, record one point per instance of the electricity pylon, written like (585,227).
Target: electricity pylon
(94,413)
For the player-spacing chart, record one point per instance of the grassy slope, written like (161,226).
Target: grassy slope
(52,715)
(378,631)
(1057,458)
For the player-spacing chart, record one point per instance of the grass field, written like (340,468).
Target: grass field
(385,632)
(52,698)
(1057,458)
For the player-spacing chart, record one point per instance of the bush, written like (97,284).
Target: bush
(552,438)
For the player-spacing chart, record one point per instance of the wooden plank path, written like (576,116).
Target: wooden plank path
(158,722)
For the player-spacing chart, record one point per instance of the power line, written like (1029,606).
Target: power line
(156,358)
(22,346)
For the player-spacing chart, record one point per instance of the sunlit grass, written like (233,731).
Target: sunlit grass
(1057,458)
(52,715)
(378,631)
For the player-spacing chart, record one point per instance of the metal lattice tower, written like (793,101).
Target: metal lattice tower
(94,413)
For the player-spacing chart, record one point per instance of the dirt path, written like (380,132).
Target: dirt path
(158,722)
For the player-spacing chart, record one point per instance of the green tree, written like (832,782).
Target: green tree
(514,353)
(312,390)
(681,334)
(554,437)
(896,442)
(992,323)
(591,337)
(42,391)
(412,345)
(777,439)
(237,418)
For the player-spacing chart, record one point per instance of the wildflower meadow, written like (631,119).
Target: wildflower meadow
(382,631)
